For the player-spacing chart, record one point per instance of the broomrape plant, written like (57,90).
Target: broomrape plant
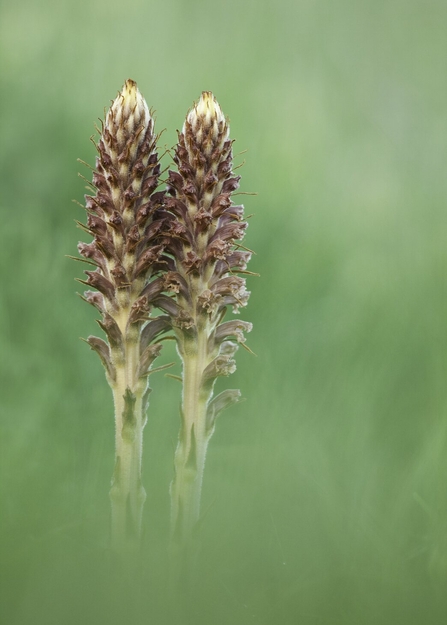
(177,251)
(203,226)
(120,219)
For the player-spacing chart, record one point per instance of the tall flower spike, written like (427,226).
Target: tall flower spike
(120,217)
(201,231)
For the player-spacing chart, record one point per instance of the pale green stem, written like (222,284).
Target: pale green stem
(127,494)
(189,461)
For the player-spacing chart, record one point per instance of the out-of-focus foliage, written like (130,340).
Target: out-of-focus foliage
(325,492)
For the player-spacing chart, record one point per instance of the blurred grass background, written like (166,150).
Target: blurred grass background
(326,491)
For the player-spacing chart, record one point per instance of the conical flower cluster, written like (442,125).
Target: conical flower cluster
(120,219)
(202,235)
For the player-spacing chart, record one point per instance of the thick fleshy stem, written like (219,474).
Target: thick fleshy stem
(127,494)
(195,434)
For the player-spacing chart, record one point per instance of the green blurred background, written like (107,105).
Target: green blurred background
(326,490)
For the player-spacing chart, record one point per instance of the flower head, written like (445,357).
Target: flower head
(201,234)
(120,218)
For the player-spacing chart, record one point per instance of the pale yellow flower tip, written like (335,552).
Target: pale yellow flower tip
(129,105)
(206,111)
